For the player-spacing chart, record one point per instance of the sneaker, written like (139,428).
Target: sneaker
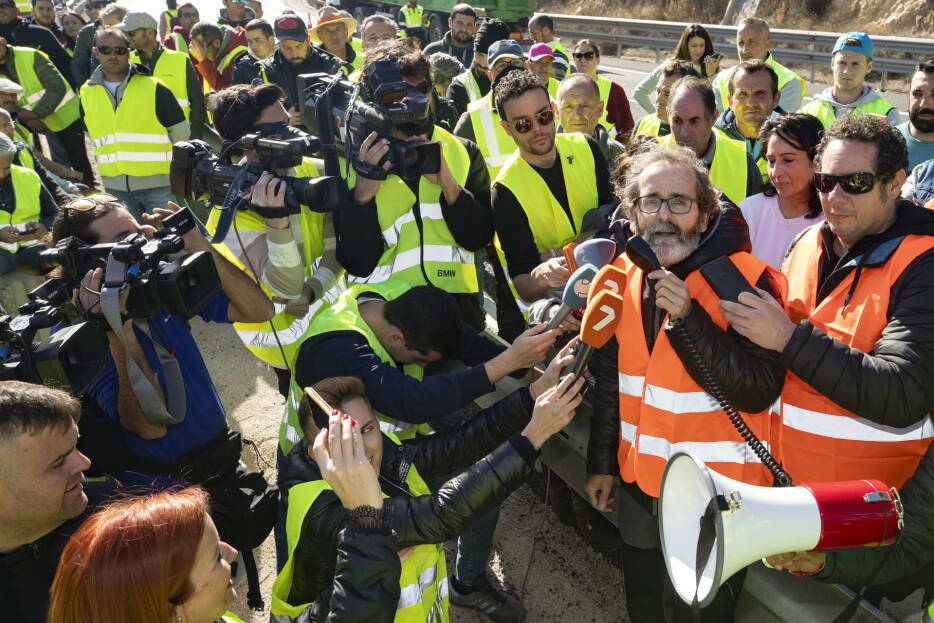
(493,602)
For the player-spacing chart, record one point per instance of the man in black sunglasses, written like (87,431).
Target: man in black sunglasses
(548,192)
(858,345)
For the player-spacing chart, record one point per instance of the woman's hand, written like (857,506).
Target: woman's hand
(554,409)
(338,451)
(552,373)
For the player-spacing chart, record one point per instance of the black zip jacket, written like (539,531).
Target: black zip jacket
(285,74)
(494,469)
(894,383)
(751,377)
(446,45)
(914,548)
(360,241)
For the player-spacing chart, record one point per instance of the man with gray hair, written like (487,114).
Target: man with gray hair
(673,311)
(26,207)
(753,43)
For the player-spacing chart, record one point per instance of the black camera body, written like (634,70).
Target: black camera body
(381,102)
(195,172)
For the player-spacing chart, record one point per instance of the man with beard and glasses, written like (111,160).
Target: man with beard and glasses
(474,83)
(458,41)
(919,129)
(423,230)
(545,190)
(667,198)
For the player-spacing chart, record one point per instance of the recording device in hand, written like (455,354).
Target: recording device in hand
(597,327)
(575,294)
(74,356)
(725,279)
(381,102)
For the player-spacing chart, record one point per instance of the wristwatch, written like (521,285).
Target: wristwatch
(368,517)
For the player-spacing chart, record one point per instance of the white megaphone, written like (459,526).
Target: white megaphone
(745,523)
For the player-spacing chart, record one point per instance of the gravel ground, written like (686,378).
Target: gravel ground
(535,555)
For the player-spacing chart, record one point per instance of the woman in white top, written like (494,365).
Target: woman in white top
(789,202)
(696,46)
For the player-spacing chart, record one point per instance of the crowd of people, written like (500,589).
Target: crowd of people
(129,501)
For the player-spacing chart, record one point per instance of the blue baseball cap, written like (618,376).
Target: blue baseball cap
(505,48)
(854,42)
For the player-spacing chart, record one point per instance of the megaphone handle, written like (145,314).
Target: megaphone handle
(782,479)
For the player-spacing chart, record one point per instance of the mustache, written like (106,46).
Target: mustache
(661,227)
(925,111)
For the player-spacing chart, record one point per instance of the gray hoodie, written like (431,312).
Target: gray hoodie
(869,94)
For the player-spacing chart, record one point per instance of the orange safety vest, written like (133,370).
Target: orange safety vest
(819,440)
(663,410)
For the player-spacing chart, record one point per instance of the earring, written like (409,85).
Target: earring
(179,618)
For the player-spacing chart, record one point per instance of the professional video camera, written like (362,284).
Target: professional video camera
(182,286)
(70,360)
(196,172)
(381,102)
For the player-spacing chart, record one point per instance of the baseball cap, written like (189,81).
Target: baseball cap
(135,21)
(540,50)
(854,42)
(8,86)
(290,28)
(507,48)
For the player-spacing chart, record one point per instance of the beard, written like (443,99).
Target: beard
(922,125)
(670,250)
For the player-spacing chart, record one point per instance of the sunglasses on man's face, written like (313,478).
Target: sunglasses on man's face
(188,15)
(851,183)
(583,56)
(117,50)
(545,118)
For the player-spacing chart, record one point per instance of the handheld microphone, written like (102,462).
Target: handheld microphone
(569,257)
(641,254)
(596,251)
(575,293)
(598,326)
(610,278)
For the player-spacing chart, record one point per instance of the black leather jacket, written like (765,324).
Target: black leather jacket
(750,376)
(493,469)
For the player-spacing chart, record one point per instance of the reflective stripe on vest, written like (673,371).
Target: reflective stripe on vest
(662,409)
(230,617)
(728,169)
(649,126)
(172,69)
(180,44)
(822,441)
(825,112)
(230,56)
(26,187)
(420,248)
(24,6)
(142,146)
(470,82)
(605,85)
(549,223)
(344,315)
(413,15)
(66,112)
(423,590)
(494,143)
(261,338)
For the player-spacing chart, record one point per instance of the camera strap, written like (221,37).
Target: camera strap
(156,411)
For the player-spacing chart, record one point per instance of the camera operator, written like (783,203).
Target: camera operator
(445,215)
(26,208)
(158,449)
(282,251)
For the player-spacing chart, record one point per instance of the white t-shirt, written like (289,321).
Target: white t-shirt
(770,232)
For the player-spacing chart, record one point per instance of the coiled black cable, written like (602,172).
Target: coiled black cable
(780,476)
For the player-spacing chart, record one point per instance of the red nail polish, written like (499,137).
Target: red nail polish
(346,416)
(335,412)
(353,422)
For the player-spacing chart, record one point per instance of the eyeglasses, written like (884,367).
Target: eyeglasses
(118,50)
(851,183)
(584,56)
(544,119)
(678,204)
(188,15)
(132,33)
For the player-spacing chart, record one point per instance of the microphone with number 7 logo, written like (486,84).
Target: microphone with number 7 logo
(598,326)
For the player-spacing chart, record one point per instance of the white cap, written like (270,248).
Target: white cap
(8,86)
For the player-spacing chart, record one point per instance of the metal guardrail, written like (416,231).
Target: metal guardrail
(795,46)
